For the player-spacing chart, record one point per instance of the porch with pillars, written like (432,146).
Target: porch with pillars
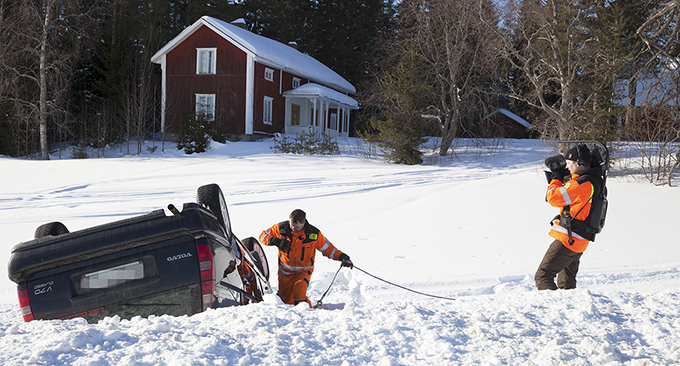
(315,109)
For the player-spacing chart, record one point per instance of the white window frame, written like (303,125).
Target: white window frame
(268,74)
(267,110)
(202,68)
(205,107)
(296,83)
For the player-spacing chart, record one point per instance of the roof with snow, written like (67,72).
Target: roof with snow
(316,90)
(266,51)
(512,116)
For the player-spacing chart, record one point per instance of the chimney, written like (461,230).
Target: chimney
(293,44)
(240,22)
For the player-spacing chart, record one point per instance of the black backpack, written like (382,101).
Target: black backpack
(593,224)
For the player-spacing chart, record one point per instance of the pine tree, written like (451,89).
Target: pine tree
(400,128)
(615,27)
(340,34)
(343,34)
(42,43)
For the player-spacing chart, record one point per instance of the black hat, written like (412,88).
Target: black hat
(580,154)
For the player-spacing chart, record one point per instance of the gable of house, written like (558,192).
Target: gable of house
(508,125)
(246,87)
(184,84)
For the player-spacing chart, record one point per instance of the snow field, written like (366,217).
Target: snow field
(473,228)
(516,326)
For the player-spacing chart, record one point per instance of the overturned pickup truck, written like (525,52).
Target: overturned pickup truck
(152,264)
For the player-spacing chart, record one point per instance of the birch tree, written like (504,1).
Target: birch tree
(456,55)
(553,52)
(46,42)
(661,32)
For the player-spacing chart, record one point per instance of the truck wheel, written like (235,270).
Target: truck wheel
(50,229)
(258,254)
(210,196)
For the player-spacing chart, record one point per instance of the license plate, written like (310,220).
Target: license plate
(112,277)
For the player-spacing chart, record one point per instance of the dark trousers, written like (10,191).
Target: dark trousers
(560,261)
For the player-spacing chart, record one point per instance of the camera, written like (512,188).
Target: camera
(558,168)
(555,162)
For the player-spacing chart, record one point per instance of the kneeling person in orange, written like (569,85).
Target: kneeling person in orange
(298,242)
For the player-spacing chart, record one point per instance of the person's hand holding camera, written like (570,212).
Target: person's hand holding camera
(558,168)
(562,174)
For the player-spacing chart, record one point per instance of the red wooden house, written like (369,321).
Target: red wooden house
(505,124)
(248,84)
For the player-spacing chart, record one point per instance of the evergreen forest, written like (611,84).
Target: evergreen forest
(78,72)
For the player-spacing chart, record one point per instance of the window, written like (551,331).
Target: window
(294,115)
(267,117)
(268,74)
(296,83)
(205,106)
(205,60)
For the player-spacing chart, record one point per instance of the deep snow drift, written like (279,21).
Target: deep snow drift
(473,228)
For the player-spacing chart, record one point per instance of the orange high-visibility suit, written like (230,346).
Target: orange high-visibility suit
(578,196)
(247,277)
(297,265)
(562,257)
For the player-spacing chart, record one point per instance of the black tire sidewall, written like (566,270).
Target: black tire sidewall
(210,196)
(50,229)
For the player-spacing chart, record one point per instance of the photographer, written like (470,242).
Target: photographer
(573,196)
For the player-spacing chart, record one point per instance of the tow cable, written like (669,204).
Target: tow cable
(319,303)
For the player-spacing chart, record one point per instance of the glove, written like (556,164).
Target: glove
(281,243)
(555,162)
(346,262)
(561,174)
(548,176)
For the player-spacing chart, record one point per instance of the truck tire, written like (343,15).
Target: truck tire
(210,196)
(256,251)
(50,229)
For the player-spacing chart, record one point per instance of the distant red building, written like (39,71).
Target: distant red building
(248,84)
(508,125)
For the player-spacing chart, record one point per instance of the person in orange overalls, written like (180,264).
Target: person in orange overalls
(572,190)
(247,277)
(298,242)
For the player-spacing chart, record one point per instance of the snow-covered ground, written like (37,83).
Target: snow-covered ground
(472,228)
